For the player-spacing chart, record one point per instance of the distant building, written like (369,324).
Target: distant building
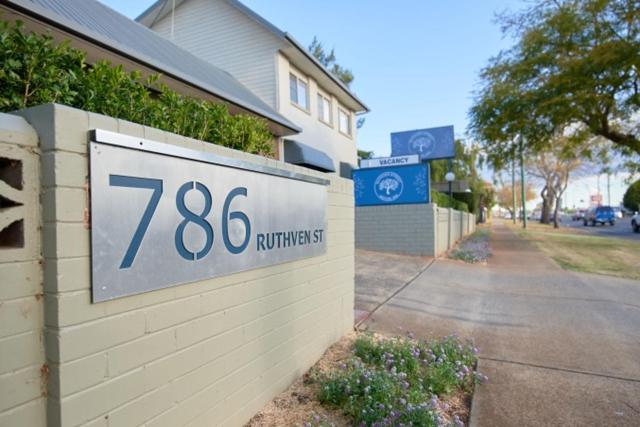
(273,65)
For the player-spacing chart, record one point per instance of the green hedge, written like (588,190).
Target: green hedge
(444,201)
(468,198)
(35,70)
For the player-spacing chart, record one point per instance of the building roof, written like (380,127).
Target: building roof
(162,8)
(93,21)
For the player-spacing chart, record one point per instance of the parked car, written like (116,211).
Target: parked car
(578,215)
(535,215)
(635,222)
(618,212)
(600,215)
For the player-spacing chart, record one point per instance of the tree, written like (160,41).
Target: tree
(575,62)
(464,165)
(631,199)
(553,167)
(364,154)
(504,196)
(468,159)
(329,61)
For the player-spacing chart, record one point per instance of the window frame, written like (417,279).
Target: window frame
(298,80)
(322,97)
(349,122)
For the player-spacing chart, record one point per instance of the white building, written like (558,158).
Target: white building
(275,67)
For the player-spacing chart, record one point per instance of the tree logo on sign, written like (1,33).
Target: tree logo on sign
(388,186)
(422,143)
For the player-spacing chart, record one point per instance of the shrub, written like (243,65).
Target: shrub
(397,381)
(34,70)
(468,198)
(631,199)
(444,201)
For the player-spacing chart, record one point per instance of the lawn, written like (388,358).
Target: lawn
(577,251)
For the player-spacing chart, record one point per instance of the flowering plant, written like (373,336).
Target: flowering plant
(400,381)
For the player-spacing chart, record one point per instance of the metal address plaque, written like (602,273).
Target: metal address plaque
(163,215)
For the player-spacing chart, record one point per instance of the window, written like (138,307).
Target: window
(298,92)
(344,122)
(324,109)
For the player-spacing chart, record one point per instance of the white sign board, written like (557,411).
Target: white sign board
(162,215)
(411,159)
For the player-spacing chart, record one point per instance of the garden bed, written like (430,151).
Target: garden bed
(373,380)
(474,248)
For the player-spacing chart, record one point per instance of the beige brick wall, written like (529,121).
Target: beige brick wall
(416,229)
(22,362)
(452,226)
(207,353)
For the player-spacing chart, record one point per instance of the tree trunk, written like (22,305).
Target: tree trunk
(559,194)
(546,205)
(556,212)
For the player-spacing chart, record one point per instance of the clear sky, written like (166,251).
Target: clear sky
(415,62)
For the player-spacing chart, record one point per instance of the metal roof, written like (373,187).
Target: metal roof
(161,8)
(91,20)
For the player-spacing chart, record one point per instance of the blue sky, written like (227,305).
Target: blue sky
(415,62)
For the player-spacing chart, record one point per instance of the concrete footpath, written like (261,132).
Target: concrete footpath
(559,348)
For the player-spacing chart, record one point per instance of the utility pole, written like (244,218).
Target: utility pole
(608,188)
(522,184)
(513,186)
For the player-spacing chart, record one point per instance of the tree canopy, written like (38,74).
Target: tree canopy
(468,159)
(504,196)
(575,64)
(631,199)
(328,59)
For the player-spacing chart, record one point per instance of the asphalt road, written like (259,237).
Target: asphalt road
(622,228)
(560,348)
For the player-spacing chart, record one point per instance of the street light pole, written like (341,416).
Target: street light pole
(450,177)
(513,186)
(608,188)
(522,183)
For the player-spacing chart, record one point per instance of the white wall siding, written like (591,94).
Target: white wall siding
(222,35)
(341,148)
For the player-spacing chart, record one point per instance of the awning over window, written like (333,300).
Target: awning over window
(300,154)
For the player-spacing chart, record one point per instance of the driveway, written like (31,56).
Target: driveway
(559,348)
(380,275)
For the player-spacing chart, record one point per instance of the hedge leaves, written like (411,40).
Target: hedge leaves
(36,70)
